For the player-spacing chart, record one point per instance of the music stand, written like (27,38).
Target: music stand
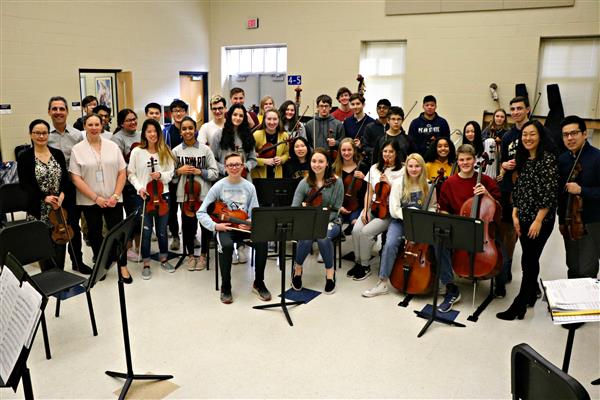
(114,246)
(20,372)
(275,192)
(287,223)
(442,231)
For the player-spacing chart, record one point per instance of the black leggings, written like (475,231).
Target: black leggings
(189,228)
(530,260)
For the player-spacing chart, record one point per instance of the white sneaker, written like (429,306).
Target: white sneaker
(196,243)
(320,259)
(379,289)
(175,244)
(234,258)
(242,256)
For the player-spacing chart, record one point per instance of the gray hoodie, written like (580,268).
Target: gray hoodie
(322,126)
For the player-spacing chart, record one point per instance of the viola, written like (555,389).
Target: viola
(191,196)
(156,204)
(315,195)
(380,206)
(575,229)
(220,213)
(61,230)
(352,184)
(412,272)
(487,263)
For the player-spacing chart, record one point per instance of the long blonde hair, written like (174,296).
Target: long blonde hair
(421,179)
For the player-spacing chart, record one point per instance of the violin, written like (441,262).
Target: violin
(61,230)
(315,195)
(220,213)
(156,204)
(575,229)
(487,263)
(352,184)
(380,206)
(133,146)
(269,150)
(191,196)
(412,272)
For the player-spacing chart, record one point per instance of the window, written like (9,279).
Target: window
(255,60)
(383,65)
(574,64)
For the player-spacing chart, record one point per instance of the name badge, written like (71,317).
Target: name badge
(99,176)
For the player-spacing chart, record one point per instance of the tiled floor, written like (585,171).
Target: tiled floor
(341,346)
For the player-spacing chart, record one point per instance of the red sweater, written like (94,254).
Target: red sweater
(456,190)
(342,115)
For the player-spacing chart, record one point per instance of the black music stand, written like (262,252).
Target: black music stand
(20,371)
(442,231)
(287,223)
(275,192)
(113,246)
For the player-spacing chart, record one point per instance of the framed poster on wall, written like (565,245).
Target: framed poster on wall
(105,93)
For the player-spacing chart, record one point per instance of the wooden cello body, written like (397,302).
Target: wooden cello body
(487,263)
(413,270)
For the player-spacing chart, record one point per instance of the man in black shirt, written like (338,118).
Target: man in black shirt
(376,130)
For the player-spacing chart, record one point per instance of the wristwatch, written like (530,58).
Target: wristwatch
(116,197)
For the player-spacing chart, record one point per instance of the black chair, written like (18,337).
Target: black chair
(12,199)
(30,242)
(534,377)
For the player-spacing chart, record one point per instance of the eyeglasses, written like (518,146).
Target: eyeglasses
(234,165)
(382,107)
(217,109)
(130,120)
(40,133)
(178,111)
(572,133)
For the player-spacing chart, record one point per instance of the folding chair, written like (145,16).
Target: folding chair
(54,281)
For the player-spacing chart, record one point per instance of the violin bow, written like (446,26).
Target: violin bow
(409,111)
(298,122)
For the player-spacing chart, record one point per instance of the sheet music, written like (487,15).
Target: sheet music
(573,300)
(19,313)
(583,292)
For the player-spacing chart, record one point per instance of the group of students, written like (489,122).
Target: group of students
(101,175)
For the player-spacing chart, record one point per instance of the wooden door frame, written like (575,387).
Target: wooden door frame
(206,96)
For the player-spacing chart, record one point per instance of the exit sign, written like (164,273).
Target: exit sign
(252,23)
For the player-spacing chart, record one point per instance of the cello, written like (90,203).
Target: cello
(412,272)
(487,263)
(156,204)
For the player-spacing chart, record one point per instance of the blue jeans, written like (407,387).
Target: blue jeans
(325,246)
(390,249)
(446,272)
(348,218)
(160,224)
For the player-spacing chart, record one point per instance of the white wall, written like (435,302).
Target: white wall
(454,56)
(43,45)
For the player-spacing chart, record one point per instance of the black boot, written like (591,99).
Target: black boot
(516,310)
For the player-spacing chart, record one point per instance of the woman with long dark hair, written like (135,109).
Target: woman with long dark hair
(235,137)
(369,225)
(298,165)
(289,119)
(535,198)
